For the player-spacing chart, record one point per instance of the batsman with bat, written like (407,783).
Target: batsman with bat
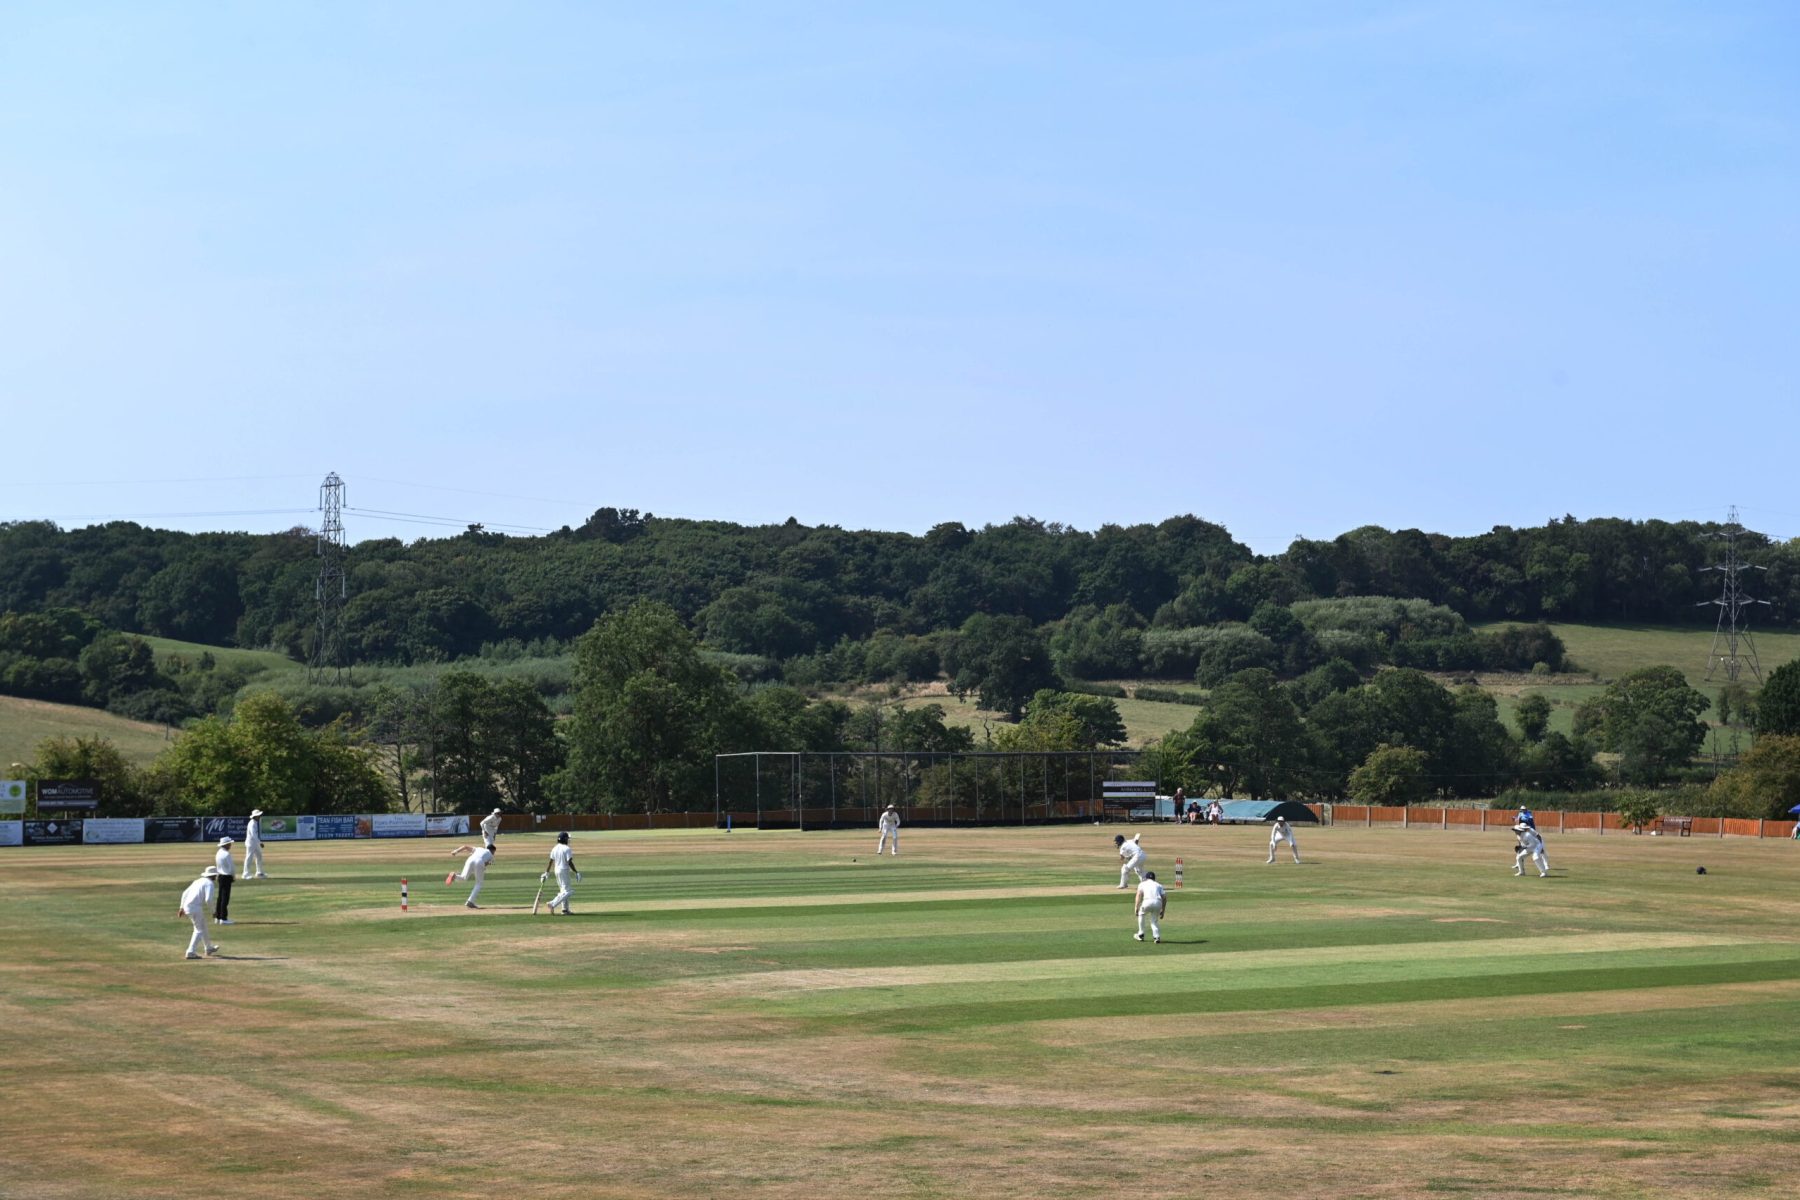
(562,862)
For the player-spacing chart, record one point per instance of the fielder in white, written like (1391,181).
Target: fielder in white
(474,867)
(1281,832)
(490,828)
(1152,901)
(1531,845)
(562,863)
(253,860)
(199,894)
(1131,857)
(889,824)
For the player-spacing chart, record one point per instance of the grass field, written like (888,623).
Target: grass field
(25,723)
(760,1015)
(226,656)
(1610,651)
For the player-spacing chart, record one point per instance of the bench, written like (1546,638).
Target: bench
(1679,826)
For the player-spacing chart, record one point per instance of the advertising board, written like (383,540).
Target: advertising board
(67,795)
(335,826)
(52,833)
(12,833)
(289,829)
(446,824)
(171,829)
(12,796)
(112,831)
(397,825)
(214,828)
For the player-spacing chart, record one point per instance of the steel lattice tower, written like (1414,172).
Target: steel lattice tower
(1732,649)
(331,589)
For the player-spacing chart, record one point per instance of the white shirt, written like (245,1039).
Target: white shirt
(890,820)
(1132,851)
(253,832)
(481,858)
(562,857)
(1150,895)
(222,860)
(1531,839)
(199,892)
(1280,830)
(490,826)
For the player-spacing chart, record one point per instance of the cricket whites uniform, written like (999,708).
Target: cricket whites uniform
(1283,832)
(253,859)
(222,860)
(1531,845)
(1151,898)
(1134,858)
(193,902)
(490,828)
(475,867)
(562,864)
(890,832)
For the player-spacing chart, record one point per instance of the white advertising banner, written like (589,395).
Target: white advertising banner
(397,825)
(112,831)
(446,824)
(288,829)
(12,833)
(12,796)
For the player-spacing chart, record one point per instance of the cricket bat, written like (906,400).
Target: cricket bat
(537,899)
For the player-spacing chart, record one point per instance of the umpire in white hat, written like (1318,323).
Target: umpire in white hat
(222,894)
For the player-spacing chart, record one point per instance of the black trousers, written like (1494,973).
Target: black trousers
(222,905)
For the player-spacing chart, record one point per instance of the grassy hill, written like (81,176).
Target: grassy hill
(1610,651)
(227,656)
(25,723)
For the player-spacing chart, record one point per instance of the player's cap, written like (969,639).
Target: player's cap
(1149,874)
(210,873)
(495,813)
(224,841)
(891,808)
(256,812)
(563,838)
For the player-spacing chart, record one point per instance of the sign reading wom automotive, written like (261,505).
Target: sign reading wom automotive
(67,794)
(112,831)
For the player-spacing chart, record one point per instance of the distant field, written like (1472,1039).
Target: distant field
(1144,719)
(268,660)
(25,723)
(1610,651)
(778,1016)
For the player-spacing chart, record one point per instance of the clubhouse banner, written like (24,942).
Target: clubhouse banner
(214,828)
(289,829)
(12,796)
(171,829)
(397,825)
(52,833)
(12,833)
(336,826)
(446,824)
(112,831)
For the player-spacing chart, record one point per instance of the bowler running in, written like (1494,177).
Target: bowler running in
(1131,857)
(474,867)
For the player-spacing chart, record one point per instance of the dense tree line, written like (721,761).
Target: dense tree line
(833,603)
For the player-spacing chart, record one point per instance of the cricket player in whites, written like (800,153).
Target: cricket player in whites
(1531,845)
(1281,832)
(1131,857)
(1152,901)
(253,860)
(562,862)
(474,867)
(889,824)
(490,828)
(199,894)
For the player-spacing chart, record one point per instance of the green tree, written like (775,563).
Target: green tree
(1778,704)
(649,715)
(1532,715)
(95,758)
(1766,781)
(1096,718)
(1637,808)
(1005,660)
(1247,737)
(1391,775)
(262,757)
(1651,719)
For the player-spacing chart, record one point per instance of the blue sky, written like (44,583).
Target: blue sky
(1293,267)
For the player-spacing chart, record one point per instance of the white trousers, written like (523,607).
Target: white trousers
(565,883)
(1132,865)
(1292,845)
(1152,914)
(478,874)
(1538,856)
(200,941)
(253,861)
(888,835)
